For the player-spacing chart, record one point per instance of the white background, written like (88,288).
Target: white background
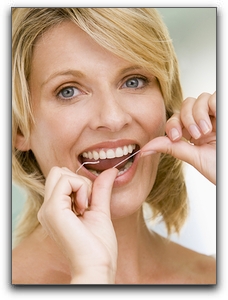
(164,292)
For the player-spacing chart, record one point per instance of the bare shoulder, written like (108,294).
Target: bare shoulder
(21,268)
(196,268)
(30,265)
(203,269)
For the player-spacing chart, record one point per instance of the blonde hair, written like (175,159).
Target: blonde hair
(135,34)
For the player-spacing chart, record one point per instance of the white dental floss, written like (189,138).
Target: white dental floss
(97,162)
(87,163)
(126,159)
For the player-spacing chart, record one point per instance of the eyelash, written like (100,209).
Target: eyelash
(135,77)
(64,89)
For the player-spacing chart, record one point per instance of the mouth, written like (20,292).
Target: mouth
(99,160)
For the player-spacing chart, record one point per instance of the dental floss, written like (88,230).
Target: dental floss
(87,163)
(126,159)
(97,162)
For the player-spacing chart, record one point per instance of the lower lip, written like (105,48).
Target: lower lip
(120,180)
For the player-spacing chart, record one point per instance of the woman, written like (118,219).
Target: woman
(97,99)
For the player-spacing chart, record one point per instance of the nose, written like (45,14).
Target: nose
(111,113)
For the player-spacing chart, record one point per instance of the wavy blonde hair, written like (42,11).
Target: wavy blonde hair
(136,34)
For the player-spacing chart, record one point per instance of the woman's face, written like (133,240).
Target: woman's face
(91,105)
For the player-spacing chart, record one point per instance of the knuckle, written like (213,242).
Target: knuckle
(188,101)
(45,213)
(175,118)
(169,149)
(54,171)
(204,95)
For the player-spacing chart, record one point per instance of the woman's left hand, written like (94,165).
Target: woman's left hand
(191,135)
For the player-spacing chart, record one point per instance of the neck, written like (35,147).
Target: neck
(135,247)
(138,249)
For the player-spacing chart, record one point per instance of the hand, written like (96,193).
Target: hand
(87,240)
(191,135)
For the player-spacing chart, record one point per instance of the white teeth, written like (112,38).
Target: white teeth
(102,154)
(90,155)
(110,153)
(96,155)
(125,150)
(85,155)
(119,152)
(130,148)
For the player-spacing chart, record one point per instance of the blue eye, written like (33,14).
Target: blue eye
(134,83)
(69,92)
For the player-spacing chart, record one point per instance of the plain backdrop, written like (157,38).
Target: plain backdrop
(193,31)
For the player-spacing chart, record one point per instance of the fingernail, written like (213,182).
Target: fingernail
(194,131)
(86,203)
(204,126)
(174,133)
(81,212)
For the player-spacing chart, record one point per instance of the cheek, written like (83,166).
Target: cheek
(153,119)
(51,141)
(54,126)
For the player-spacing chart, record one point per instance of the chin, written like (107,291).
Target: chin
(128,198)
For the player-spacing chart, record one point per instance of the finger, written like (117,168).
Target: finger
(69,192)
(202,110)
(80,198)
(188,119)
(212,104)
(56,215)
(173,127)
(102,189)
(180,149)
(61,194)
(54,176)
(52,179)
(185,152)
(197,115)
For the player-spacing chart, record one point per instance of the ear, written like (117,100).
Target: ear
(22,143)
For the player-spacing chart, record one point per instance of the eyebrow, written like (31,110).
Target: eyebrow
(79,74)
(130,69)
(72,72)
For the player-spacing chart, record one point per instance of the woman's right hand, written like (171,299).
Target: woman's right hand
(88,239)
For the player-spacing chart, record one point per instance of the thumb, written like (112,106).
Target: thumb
(102,189)
(180,149)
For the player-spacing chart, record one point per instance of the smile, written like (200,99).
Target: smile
(109,153)
(109,158)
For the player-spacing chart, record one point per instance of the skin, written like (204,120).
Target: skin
(108,241)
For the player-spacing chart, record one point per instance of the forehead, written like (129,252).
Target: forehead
(67,47)
(60,39)
(66,44)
